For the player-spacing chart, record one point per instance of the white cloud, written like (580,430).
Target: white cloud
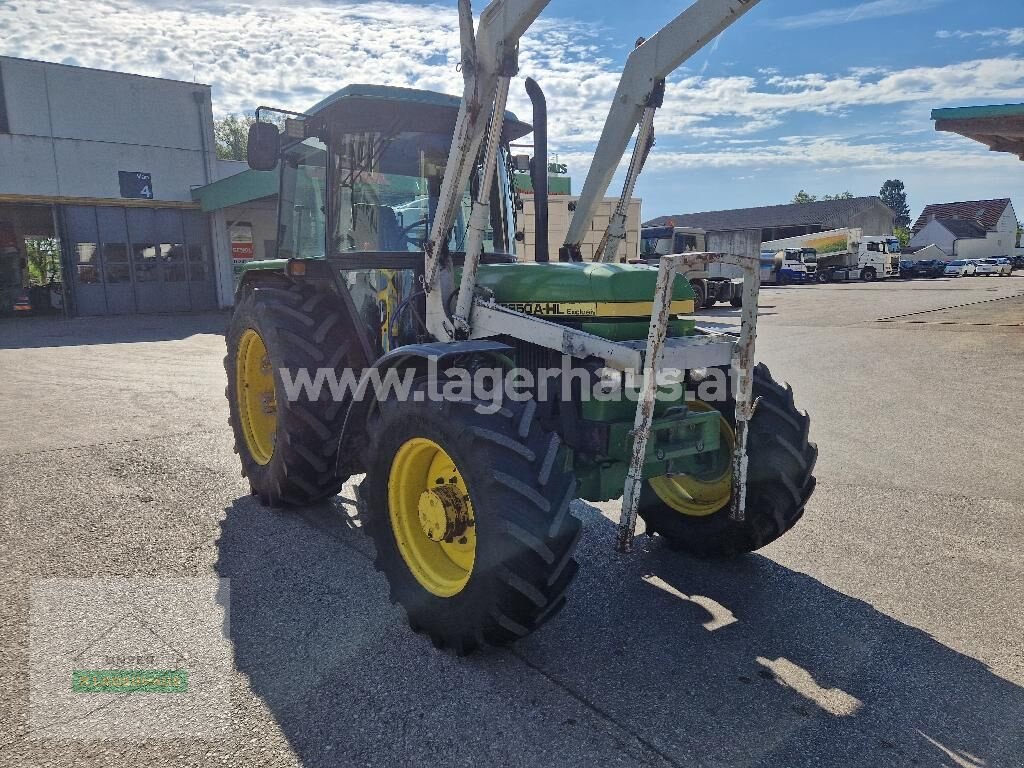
(998,35)
(745,96)
(875,9)
(256,51)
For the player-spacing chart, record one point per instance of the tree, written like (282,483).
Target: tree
(42,256)
(804,197)
(904,235)
(894,195)
(231,134)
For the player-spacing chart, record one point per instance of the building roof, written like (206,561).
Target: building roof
(963,229)
(1000,128)
(828,214)
(986,212)
(240,188)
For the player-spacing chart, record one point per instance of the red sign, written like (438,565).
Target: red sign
(241,252)
(241,241)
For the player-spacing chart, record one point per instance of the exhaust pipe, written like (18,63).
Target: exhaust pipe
(539,167)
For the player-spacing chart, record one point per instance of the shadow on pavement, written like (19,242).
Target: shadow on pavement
(37,332)
(658,658)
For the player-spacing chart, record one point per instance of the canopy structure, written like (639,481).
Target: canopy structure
(1000,128)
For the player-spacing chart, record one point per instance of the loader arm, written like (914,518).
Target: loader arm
(648,64)
(488,62)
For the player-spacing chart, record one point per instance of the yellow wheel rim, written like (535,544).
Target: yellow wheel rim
(705,493)
(257,400)
(432,517)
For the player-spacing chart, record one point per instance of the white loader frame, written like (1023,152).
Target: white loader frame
(489,60)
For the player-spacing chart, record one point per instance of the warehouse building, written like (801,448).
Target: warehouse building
(869,214)
(96,176)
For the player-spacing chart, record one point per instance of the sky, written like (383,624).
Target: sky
(822,95)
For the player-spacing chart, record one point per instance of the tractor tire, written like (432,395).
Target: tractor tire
(699,295)
(513,473)
(289,450)
(779,482)
(868,275)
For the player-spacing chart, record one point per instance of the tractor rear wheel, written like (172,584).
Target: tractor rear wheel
(288,449)
(692,511)
(470,517)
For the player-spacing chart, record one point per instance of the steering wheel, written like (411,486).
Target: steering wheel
(405,236)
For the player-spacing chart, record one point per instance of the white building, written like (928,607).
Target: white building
(978,229)
(104,163)
(559,217)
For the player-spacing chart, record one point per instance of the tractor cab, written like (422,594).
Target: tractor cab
(361,176)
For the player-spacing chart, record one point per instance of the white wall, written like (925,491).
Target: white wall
(927,253)
(72,129)
(263,217)
(995,244)
(1008,223)
(934,233)
(558,226)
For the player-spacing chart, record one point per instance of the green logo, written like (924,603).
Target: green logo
(129,681)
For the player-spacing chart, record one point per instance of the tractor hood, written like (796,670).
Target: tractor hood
(581,290)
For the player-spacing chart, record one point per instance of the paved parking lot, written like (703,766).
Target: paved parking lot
(886,629)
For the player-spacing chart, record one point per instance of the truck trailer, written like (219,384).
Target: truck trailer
(832,256)
(711,283)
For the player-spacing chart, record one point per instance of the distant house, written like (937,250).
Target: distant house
(869,214)
(975,229)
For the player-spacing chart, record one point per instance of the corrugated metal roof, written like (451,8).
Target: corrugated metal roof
(827,213)
(999,127)
(974,113)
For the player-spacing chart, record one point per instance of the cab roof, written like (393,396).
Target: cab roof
(365,107)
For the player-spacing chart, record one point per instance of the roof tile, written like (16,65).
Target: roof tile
(987,212)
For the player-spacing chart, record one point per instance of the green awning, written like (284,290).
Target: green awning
(239,189)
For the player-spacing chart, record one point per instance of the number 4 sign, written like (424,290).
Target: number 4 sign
(136,184)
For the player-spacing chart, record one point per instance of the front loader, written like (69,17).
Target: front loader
(396,337)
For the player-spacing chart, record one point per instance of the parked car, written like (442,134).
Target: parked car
(959,268)
(930,268)
(908,269)
(985,267)
(1004,264)
(1018,262)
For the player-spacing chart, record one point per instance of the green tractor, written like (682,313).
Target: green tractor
(397,337)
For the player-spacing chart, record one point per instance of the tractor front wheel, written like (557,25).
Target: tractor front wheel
(470,516)
(288,448)
(692,511)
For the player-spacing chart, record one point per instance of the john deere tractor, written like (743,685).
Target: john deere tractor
(398,227)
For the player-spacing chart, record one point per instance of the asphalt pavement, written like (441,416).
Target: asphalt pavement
(886,629)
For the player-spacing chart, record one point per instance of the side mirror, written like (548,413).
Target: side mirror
(264,146)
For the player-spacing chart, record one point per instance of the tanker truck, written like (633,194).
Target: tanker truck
(833,256)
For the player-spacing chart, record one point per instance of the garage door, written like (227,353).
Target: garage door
(139,260)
